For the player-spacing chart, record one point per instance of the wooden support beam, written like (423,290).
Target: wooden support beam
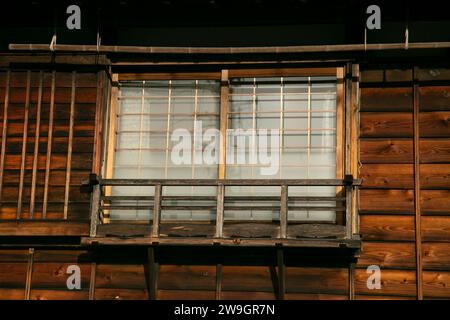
(220,210)
(284,211)
(351,281)
(92,281)
(224,107)
(36,147)
(4,130)
(29,273)
(96,153)
(153,269)
(95,205)
(157,211)
(69,146)
(281,274)
(417,208)
(49,146)
(218,281)
(24,145)
(355,164)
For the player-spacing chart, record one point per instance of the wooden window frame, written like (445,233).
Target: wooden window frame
(346,144)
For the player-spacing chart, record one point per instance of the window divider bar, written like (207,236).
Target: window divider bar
(283,211)
(220,210)
(157,211)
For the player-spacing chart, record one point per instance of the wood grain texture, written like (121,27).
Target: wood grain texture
(386,99)
(387,124)
(436,228)
(393,282)
(387,227)
(387,255)
(390,151)
(386,201)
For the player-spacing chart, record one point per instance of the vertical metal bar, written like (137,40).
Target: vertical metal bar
(95,205)
(281,274)
(283,211)
(36,147)
(24,146)
(29,273)
(157,210)
(49,146)
(153,274)
(69,147)
(218,282)
(4,131)
(220,210)
(92,281)
(417,207)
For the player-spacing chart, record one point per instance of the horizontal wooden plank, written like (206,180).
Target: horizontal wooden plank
(435,228)
(246,278)
(120,294)
(386,99)
(434,124)
(432,74)
(386,124)
(316,280)
(72,256)
(382,297)
(435,176)
(120,276)
(12,294)
(393,282)
(435,202)
(388,255)
(436,256)
(386,151)
(434,98)
(386,75)
(386,201)
(388,228)
(13,274)
(387,176)
(188,295)
(14,255)
(58,161)
(46,294)
(315,296)
(436,284)
(434,150)
(173,277)
(43,228)
(51,275)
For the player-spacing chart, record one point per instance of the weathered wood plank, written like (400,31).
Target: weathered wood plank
(386,99)
(388,228)
(393,282)
(387,255)
(435,228)
(386,151)
(48,228)
(386,201)
(386,125)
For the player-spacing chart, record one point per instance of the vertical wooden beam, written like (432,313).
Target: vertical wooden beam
(417,208)
(220,210)
(153,274)
(29,273)
(95,205)
(224,106)
(69,147)
(98,123)
(92,281)
(348,211)
(111,143)
(355,142)
(36,147)
(49,146)
(281,274)
(24,145)
(351,281)
(340,125)
(157,210)
(218,281)
(283,211)
(4,131)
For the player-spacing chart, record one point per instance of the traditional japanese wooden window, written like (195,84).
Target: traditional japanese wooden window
(301,108)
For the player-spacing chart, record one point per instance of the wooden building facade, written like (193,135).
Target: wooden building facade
(62,132)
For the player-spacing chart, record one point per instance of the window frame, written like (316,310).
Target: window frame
(224,76)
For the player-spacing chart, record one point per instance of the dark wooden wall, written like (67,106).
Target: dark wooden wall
(388,210)
(393,237)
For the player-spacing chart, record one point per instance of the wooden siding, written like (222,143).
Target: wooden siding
(48,126)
